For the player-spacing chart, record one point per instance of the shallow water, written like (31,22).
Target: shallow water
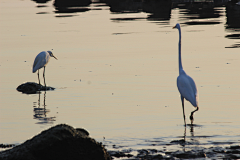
(116,74)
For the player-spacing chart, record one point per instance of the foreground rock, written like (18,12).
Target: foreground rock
(32,88)
(60,142)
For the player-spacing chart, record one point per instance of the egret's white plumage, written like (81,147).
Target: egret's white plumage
(40,61)
(187,88)
(185,83)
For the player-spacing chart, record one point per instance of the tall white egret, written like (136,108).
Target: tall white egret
(185,83)
(40,61)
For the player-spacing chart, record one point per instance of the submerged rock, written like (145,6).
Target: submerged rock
(32,88)
(189,154)
(119,154)
(232,152)
(6,145)
(60,142)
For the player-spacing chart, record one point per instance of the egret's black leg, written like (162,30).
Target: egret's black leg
(191,116)
(38,78)
(44,76)
(182,98)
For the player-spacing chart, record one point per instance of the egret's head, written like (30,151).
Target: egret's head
(51,54)
(177,26)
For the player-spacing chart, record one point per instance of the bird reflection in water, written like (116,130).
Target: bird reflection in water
(40,112)
(193,141)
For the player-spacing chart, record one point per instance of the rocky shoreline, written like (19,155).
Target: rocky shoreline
(231,152)
(65,142)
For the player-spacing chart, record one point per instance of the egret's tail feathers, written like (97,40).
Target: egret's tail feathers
(34,70)
(194,101)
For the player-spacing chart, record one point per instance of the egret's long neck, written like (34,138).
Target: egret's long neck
(179,52)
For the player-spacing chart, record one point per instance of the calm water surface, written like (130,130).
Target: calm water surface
(116,74)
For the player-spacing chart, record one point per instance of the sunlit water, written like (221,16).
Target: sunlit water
(116,75)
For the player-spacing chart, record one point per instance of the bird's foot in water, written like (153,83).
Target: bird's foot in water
(191,118)
(44,87)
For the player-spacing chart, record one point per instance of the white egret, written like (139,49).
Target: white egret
(40,61)
(185,83)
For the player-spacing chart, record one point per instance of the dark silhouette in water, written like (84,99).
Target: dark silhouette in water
(125,6)
(71,6)
(160,10)
(69,10)
(71,3)
(233,22)
(41,1)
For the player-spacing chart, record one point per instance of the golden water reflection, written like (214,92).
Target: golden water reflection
(40,112)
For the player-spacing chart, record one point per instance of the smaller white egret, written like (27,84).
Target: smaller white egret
(185,83)
(40,61)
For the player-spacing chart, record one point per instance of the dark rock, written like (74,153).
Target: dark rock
(32,88)
(60,142)
(157,157)
(232,152)
(117,147)
(232,156)
(168,152)
(153,151)
(82,130)
(218,150)
(6,145)
(180,142)
(149,154)
(189,154)
(119,154)
(143,151)
(235,147)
